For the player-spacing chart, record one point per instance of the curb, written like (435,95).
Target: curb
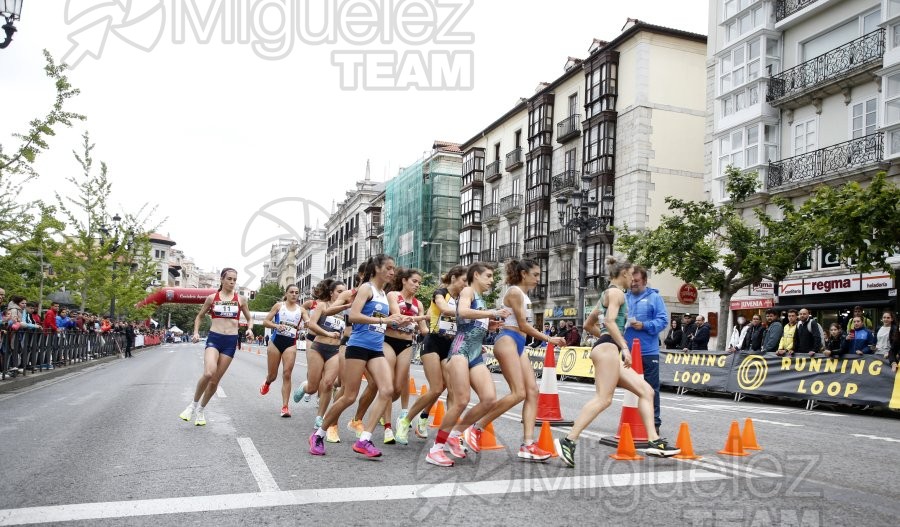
(30,379)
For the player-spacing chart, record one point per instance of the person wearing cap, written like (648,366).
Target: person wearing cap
(858,312)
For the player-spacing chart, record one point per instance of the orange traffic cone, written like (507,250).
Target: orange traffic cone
(489,439)
(748,438)
(545,441)
(626,450)
(423,390)
(257,349)
(734,446)
(630,414)
(412,385)
(548,397)
(438,416)
(685,444)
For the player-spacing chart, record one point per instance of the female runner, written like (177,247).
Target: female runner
(283,344)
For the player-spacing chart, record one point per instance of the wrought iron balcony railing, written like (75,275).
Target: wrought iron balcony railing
(560,288)
(536,245)
(490,255)
(490,213)
(492,171)
(473,177)
(514,159)
(786,8)
(838,63)
(566,181)
(568,128)
(539,292)
(833,159)
(511,204)
(509,251)
(563,239)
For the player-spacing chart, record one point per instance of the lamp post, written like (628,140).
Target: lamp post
(128,241)
(440,256)
(583,221)
(10,10)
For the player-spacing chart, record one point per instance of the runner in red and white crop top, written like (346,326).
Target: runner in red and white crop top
(229,309)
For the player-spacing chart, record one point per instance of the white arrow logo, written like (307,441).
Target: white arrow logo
(96,19)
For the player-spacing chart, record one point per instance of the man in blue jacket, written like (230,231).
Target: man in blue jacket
(647,318)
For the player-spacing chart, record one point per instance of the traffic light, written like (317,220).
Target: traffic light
(252,295)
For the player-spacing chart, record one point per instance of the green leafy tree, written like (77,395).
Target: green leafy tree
(714,247)
(182,315)
(99,261)
(25,267)
(269,293)
(426,289)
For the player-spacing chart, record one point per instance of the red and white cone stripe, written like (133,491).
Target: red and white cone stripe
(548,399)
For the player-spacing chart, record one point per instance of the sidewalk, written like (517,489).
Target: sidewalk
(29,379)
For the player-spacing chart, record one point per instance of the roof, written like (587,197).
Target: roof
(446,146)
(159,238)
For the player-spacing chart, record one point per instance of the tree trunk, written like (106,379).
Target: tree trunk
(725,325)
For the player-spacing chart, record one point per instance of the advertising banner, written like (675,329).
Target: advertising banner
(696,369)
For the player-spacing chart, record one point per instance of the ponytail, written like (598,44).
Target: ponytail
(615,266)
(372,265)
(403,274)
(477,267)
(455,271)
(514,270)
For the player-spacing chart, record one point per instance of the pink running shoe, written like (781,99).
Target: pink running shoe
(316,445)
(472,436)
(455,446)
(439,458)
(366,448)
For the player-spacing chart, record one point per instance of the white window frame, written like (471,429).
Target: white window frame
(865,113)
(891,100)
(815,134)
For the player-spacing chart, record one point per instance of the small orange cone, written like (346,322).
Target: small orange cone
(412,385)
(423,390)
(626,450)
(685,444)
(257,350)
(545,441)
(748,438)
(489,438)
(438,416)
(733,445)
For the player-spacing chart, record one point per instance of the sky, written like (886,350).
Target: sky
(246,120)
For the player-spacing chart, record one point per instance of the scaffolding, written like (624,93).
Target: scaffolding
(421,214)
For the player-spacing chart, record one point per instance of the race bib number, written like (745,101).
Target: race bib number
(226,310)
(334,323)
(481,323)
(377,328)
(288,331)
(446,327)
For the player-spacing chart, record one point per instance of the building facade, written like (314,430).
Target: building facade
(805,93)
(161,251)
(310,268)
(346,231)
(280,266)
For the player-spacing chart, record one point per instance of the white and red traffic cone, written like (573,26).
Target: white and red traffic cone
(630,413)
(548,409)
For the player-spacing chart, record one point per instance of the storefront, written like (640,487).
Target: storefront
(755,301)
(557,314)
(832,298)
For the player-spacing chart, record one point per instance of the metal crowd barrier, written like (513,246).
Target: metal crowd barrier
(35,350)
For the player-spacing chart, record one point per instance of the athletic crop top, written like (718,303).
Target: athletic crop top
(620,317)
(292,320)
(332,322)
(442,324)
(371,336)
(467,325)
(230,309)
(529,313)
(411,308)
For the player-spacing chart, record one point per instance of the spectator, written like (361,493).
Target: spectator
(33,316)
(786,344)
(858,312)
(129,339)
(105,326)
(673,337)
(753,340)
(689,327)
(15,309)
(647,318)
(860,340)
(63,322)
(700,341)
(887,340)
(573,337)
(774,331)
(50,318)
(809,335)
(738,334)
(834,341)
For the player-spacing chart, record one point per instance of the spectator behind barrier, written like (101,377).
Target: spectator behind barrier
(700,341)
(688,328)
(673,337)
(887,339)
(738,334)
(774,330)
(786,344)
(860,340)
(753,340)
(834,341)
(858,312)
(809,335)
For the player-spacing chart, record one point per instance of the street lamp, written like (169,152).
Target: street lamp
(128,241)
(11,10)
(583,220)
(440,256)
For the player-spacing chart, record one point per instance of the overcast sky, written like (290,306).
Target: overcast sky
(214,121)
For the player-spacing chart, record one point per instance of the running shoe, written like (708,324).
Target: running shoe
(319,421)
(404,413)
(455,447)
(285,412)
(300,392)
(332,435)
(199,418)
(533,452)
(381,421)
(565,448)
(422,428)
(439,458)
(389,437)
(188,413)
(472,436)
(366,448)
(264,389)
(661,448)
(356,427)
(403,426)
(316,445)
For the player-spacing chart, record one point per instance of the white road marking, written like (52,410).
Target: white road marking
(732,468)
(779,423)
(257,466)
(220,392)
(252,500)
(877,438)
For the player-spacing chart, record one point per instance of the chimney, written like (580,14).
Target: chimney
(368,171)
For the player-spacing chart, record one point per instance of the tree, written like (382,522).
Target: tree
(269,293)
(182,315)
(98,261)
(25,267)
(713,247)
(863,224)
(16,168)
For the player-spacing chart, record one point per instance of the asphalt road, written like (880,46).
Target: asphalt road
(103,446)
